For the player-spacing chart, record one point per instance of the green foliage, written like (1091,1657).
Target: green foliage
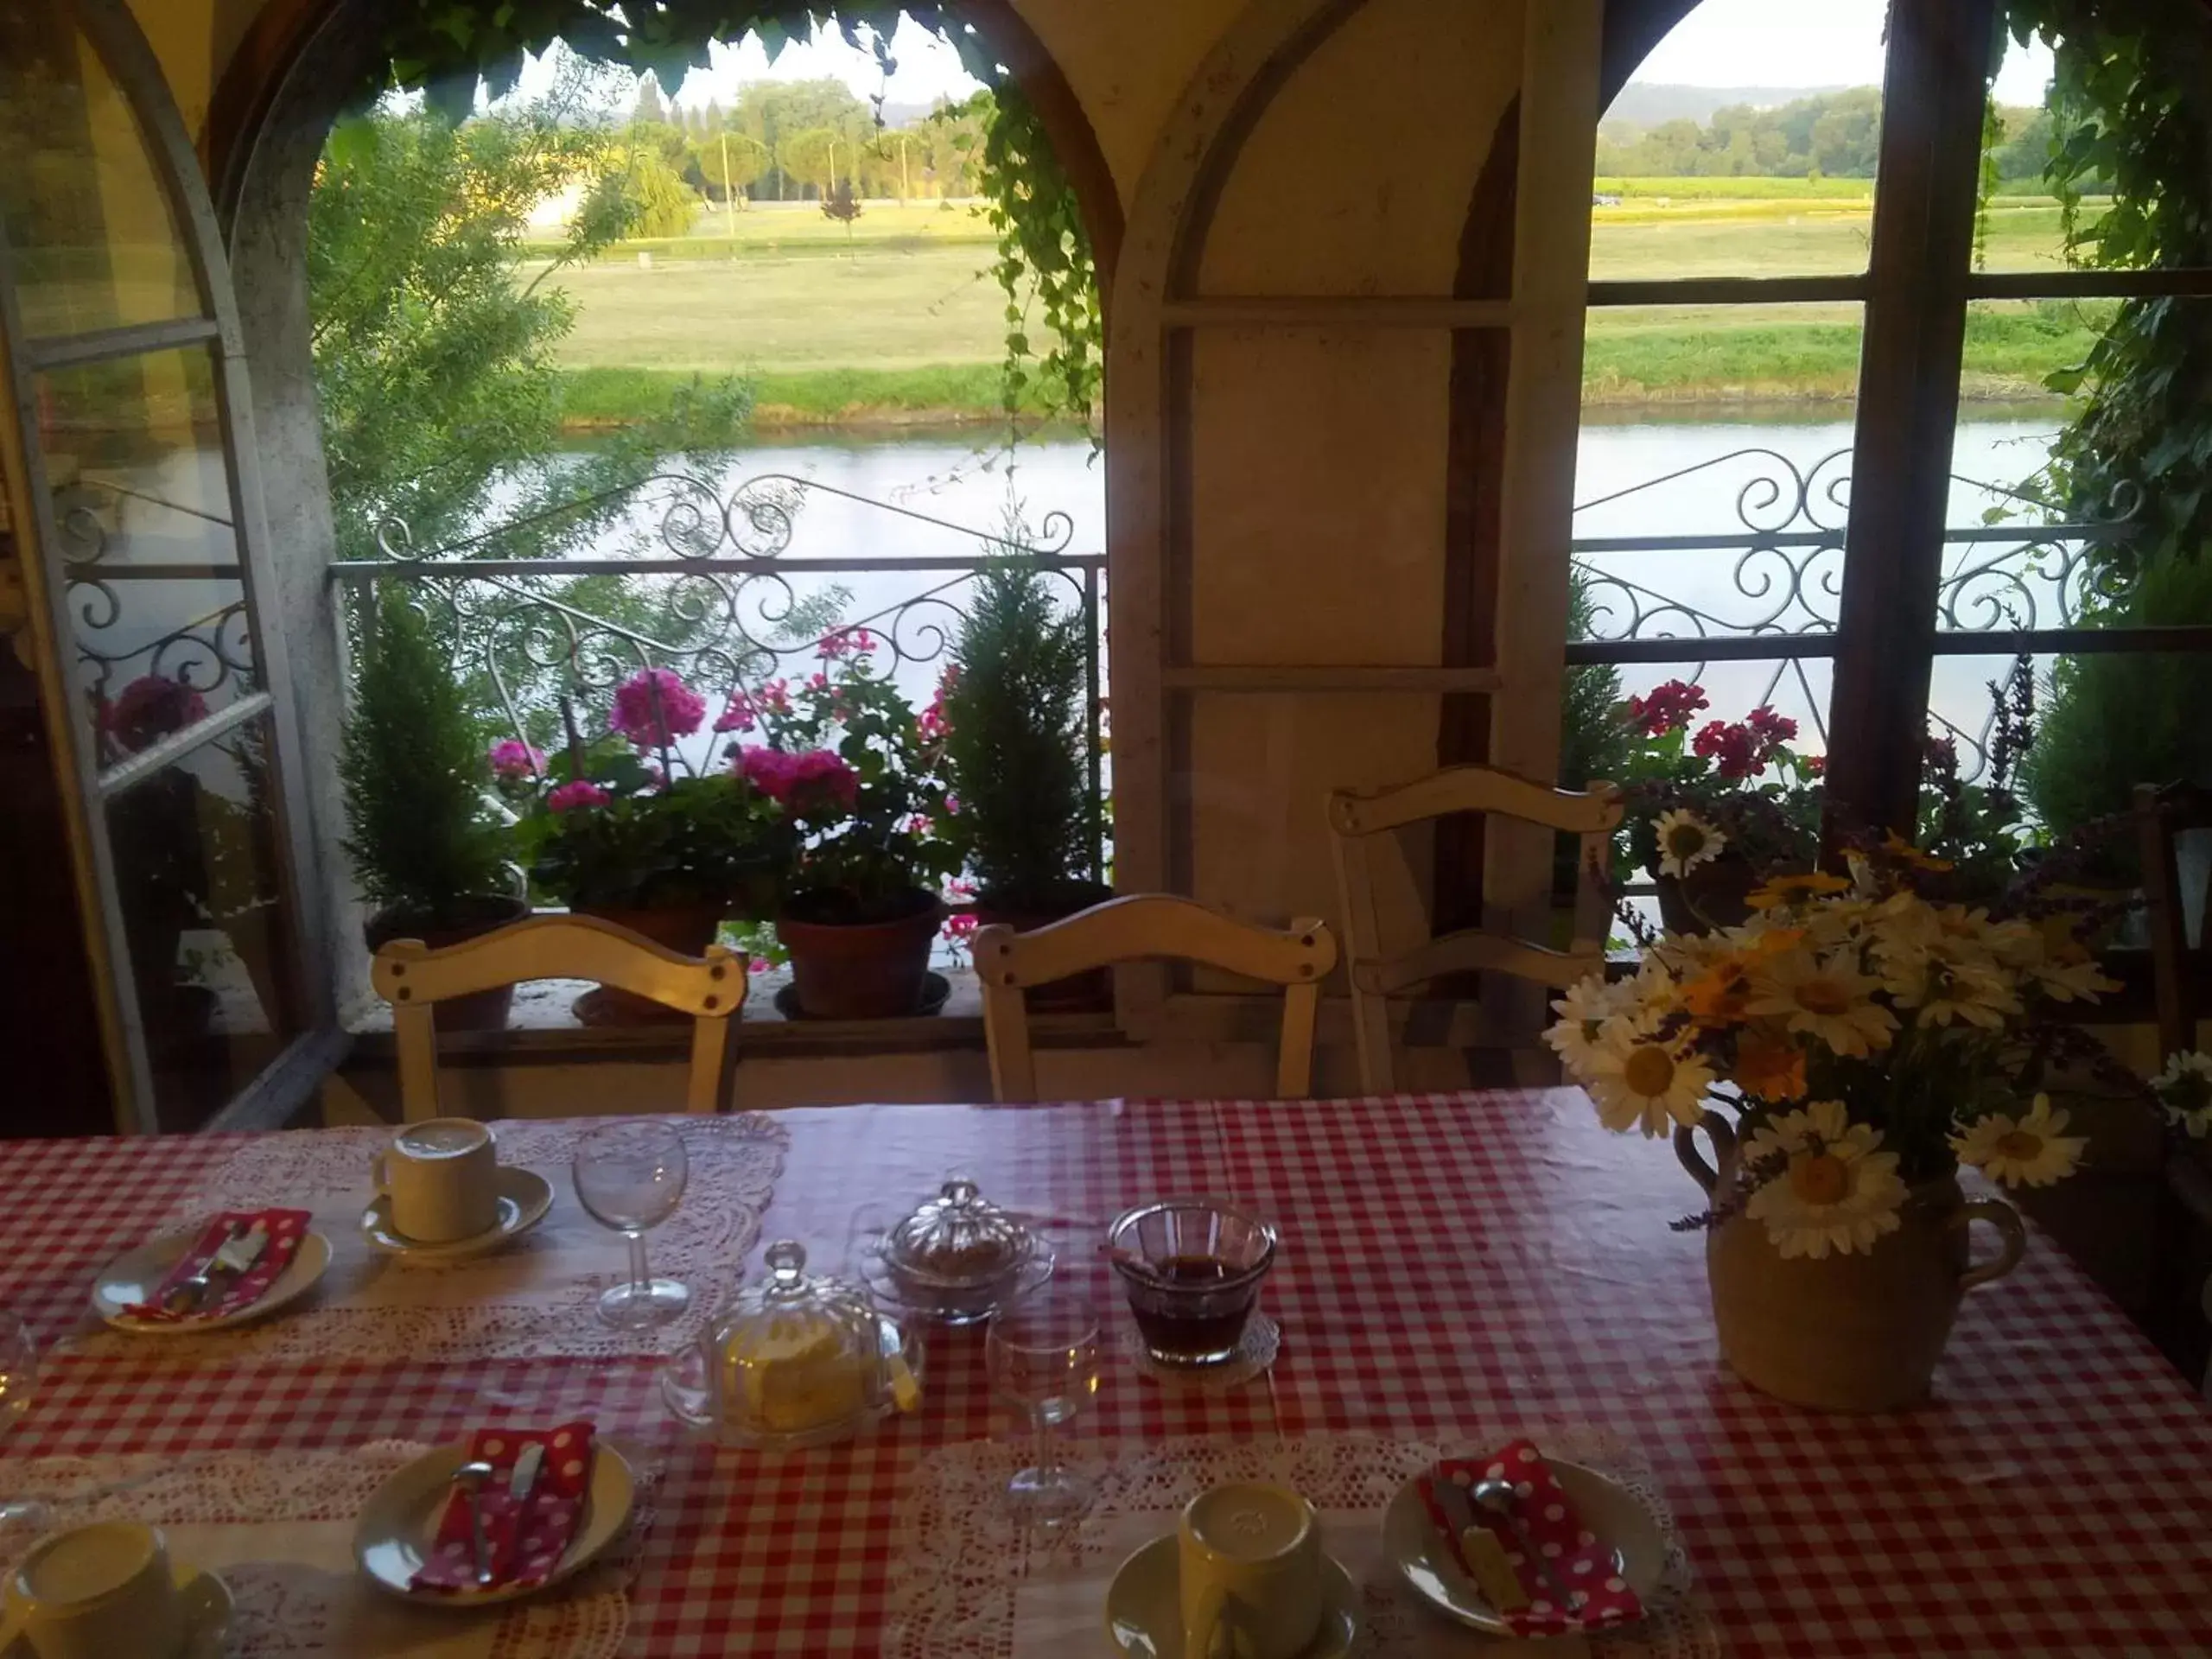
(656,200)
(697,841)
(1594,744)
(419,832)
(2113,720)
(1833,135)
(810,155)
(435,356)
(1016,703)
(2131,110)
(729,161)
(1044,259)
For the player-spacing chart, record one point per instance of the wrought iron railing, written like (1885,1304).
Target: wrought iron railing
(1767,588)
(725,588)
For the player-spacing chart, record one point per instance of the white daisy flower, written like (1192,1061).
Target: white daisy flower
(1825,997)
(1640,1080)
(2030,1150)
(2184,1090)
(1582,1012)
(1835,1191)
(1686,841)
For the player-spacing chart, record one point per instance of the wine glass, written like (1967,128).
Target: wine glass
(630,1176)
(18,1376)
(1043,1355)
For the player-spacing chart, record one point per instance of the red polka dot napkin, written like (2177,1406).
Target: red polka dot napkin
(1566,1571)
(526,1540)
(231,1293)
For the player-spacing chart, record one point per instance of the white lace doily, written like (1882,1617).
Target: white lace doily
(277,1528)
(960,1563)
(533,1298)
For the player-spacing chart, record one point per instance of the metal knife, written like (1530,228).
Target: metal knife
(525,1473)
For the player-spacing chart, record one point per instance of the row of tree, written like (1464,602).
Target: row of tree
(1831,135)
(790,140)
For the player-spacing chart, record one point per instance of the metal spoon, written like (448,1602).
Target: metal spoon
(1496,1495)
(471,1476)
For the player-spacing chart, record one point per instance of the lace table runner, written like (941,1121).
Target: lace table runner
(533,1297)
(278,1528)
(966,1583)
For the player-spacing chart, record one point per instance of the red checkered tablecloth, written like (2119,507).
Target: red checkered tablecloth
(1451,1265)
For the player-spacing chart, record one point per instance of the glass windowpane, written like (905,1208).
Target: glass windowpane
(209,930)
(94,241)
(141,501)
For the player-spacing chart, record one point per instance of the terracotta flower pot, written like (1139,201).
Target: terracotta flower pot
(1077,993)
(485,1010)
(1711,897)
(688,930)
(859,970)
(1856,1333)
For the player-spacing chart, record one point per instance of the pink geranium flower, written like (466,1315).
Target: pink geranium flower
(578,792)
(512,758)
(149,708)
(741,716)
(814,777)
(653,707)
(847,642)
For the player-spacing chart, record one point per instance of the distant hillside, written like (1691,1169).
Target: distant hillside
(1644,103)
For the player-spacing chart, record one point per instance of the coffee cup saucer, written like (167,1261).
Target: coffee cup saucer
(205,1600)
(525,1196)
(1144,1605)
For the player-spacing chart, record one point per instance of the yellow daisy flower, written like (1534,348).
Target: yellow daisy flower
(1825,997)
(1834,1192)
(1640,1080)
(2030,1150)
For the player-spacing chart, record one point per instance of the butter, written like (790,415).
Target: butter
(788,1378)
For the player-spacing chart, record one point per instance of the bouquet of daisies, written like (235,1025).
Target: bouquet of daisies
(1866,1038)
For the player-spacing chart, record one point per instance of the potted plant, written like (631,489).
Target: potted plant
(429,853)
(1710,813)
(622,827)
(1873,1040)
(1011,708)
(863,784)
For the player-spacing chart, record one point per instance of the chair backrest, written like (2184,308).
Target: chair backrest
(1358,822)
(2177,966)
(1138,928)
(415,979)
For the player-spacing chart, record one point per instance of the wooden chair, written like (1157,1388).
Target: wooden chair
(1143,927)
(414,979)
(2179,973)
(1357,821)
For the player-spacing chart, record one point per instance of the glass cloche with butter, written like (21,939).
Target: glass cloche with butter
(796,1360)
(956,1258)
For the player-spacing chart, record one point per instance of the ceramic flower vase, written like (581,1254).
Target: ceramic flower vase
(1858,1333)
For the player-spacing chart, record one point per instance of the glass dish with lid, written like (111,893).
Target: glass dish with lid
(796,1360)
(956,1257)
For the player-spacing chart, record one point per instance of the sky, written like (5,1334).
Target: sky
(1803,43)
(1722,43)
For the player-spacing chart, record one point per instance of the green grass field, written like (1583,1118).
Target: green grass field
(900,324)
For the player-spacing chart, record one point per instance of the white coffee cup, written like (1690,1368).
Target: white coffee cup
(440,1177)
(95,1591)
(1249,1557)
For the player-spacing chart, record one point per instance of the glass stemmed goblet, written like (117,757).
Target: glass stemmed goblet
(630,1176)
(1043,1355)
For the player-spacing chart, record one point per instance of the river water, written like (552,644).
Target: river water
(1673,480)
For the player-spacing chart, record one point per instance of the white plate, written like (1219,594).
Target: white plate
(524,1196)
(1144,1606)
(1607,1506)
(400,1523)
(135,1276)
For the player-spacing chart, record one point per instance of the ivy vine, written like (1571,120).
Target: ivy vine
(2132,99)
(1043,257)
